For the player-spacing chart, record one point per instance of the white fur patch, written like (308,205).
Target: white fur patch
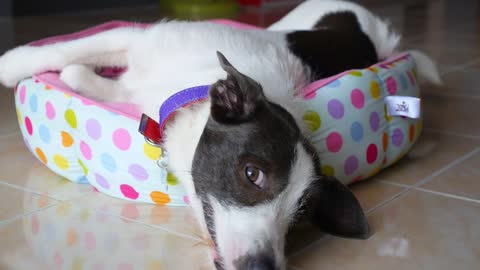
(248,230)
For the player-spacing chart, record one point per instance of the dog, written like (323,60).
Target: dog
(243,155)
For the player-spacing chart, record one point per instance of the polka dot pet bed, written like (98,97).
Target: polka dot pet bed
(98,143)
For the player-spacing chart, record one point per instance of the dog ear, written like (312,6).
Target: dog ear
(235,99)
(332,207)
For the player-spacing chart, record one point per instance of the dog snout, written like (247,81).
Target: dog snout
(259,262)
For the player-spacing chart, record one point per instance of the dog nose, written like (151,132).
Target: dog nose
(259,263)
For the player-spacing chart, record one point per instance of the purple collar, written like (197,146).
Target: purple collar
(154,132)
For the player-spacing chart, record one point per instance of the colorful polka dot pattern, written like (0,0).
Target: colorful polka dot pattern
(88,144)
(356,137)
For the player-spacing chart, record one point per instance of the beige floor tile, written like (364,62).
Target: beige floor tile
(368,193)
(15,202)
(20,168)
(75,237)
(418,231)
(452,114)
(431,153)
(464,82)
(8,119)
(461,180)
(175,219)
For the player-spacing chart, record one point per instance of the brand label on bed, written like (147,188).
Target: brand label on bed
(403,106)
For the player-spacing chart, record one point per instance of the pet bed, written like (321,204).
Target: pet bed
(98,143)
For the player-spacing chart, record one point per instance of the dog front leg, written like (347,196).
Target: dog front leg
(106,48)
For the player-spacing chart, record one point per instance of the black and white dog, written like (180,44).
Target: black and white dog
(243,155)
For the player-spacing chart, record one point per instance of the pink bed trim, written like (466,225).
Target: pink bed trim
(320,83)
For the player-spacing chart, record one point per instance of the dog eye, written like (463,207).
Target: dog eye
(255,175)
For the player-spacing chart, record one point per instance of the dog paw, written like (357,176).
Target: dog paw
(75,76)
(13,66)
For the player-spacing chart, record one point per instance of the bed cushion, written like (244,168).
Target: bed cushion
(98,143)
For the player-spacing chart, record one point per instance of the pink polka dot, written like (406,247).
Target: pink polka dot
(50,110)
(23,89)
(35,224)
(372,153)
(58,259)
(86,151)
(90,241)
(129,192)
(334,142)
(357,98)
(130,211)
(391,85)
(125,266)
(28,125)
(351,164)
(186,199)
(94,129)
(121,139)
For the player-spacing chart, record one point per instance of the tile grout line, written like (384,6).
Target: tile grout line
(97,210)
(447,167)
(459,67)
(14,218)
(451,133)
(182,235)
(453,196)
(29,191)
(401,193)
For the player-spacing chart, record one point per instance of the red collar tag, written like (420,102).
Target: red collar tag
(150,129)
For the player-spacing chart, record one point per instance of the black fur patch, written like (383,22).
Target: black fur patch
(267,140)
(263,260)
(338,44)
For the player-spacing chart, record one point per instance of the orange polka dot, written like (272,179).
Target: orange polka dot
(41,155)
(42,202)
(411,133)
(160,214)
(67,140)
(385,141)
(159,197)
(48,87)
(71,237)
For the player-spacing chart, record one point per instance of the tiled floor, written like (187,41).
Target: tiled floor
(425,210)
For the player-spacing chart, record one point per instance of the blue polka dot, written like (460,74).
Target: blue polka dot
(108,163)
(403,82)
(33,103)
(356,131)
(333,84)
(44,133)
(82,180)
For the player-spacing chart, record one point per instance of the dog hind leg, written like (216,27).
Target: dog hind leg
(83,80)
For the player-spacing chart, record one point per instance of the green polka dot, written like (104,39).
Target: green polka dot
(328,170)
(71,118)
(172,180)
(85,170)
(312,119)
(356,73)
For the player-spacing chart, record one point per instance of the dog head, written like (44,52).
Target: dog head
(254,170)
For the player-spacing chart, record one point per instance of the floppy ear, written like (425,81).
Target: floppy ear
(236,98)
(334,209)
